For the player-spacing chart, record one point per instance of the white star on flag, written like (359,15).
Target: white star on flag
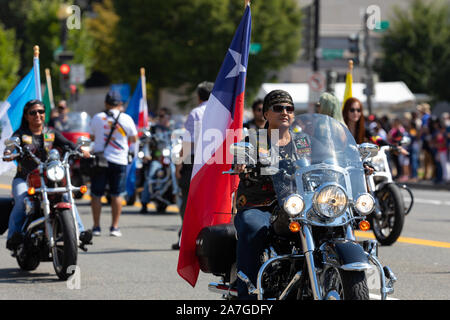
(238,68)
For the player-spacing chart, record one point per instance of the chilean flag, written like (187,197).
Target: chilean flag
(210,191)
(137,107)
(138,110)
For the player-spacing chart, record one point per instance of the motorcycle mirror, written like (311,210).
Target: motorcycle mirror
(84,141)
(13,141)
(368,150)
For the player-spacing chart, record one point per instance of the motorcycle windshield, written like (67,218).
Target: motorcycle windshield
(324,152)
(78,122)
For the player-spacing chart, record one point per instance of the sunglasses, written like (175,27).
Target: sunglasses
(279,108)
(35,112)
(355,110)
(161,115)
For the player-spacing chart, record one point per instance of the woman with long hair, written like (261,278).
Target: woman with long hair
(354,119)
(35,133)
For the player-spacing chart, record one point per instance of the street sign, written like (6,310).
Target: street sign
(381,26)
(77,74)
(255,48)
(317,81)
(331,54)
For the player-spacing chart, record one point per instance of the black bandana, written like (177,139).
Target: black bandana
(276,97)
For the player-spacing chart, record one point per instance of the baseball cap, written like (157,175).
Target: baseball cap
(113,98)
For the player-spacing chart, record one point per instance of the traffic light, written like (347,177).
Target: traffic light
(65,69)
(63,58)
(356,46)
(370,84)
(332,77)
(64,79)
(308,22)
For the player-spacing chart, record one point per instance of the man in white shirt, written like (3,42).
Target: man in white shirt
(123,134)
(193,130)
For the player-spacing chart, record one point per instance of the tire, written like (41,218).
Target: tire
(65,254)
(345,285)
(388,228)
(28,261)
(161,207)
(355,285)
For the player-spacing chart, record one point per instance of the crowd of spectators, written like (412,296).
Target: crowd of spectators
(429,147)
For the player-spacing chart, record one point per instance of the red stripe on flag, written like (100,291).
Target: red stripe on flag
(209,198)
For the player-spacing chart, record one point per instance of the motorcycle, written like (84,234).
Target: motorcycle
(322,198)
(50,227)
(77,126)
(162,184)
(388,218)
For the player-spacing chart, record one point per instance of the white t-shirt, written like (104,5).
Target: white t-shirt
(117,149)
(193,124)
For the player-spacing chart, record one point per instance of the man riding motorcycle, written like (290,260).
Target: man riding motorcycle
(41,140)
(255,195)
(162,127)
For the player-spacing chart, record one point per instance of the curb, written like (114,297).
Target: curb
(426,185)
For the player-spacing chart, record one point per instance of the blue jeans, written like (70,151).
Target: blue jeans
(17,217)
(252,228)
(154,166)
(414,155)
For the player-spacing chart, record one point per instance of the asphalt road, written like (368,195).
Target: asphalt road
(142,266)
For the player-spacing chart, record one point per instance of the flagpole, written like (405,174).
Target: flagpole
(143,84)
(48,79)
(37,76)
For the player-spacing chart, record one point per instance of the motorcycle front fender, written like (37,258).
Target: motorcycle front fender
(345,255)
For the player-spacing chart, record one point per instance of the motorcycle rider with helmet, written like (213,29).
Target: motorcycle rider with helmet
(162,127)
(256,198)
(41,139)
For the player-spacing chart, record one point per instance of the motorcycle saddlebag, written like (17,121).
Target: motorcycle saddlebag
(216,248)
(6,205)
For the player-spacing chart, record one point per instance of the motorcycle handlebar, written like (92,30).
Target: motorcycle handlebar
(11,157)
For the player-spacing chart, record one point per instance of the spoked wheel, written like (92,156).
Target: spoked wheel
(388,227)
(345,285)
(65,251)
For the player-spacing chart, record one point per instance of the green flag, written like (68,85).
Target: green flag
(48,105)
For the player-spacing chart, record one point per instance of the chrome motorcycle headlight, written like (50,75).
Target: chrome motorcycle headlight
(55,171)
(365,204)
(166,152)
(293,205)
(330,201)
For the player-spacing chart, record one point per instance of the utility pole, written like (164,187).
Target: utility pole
(369,90)
(315,65)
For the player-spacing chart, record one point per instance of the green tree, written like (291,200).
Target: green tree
(9,62)
(417,48)
(102,30)
(183,42)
